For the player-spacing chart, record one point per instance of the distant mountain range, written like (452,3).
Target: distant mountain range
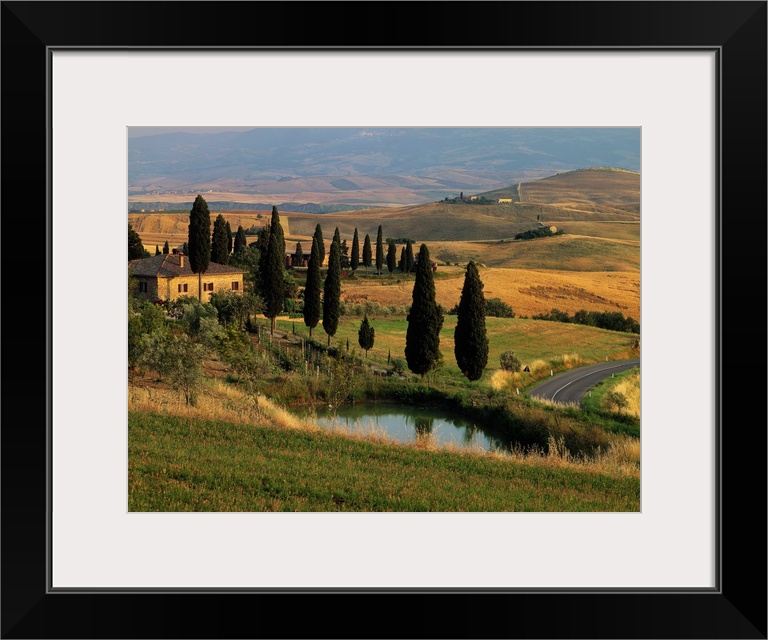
(333,167)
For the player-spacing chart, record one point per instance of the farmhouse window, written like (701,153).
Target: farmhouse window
(207,286)
(183,288)
(143,287)
(235,286)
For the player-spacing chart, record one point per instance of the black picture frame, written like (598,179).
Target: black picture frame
(736,608)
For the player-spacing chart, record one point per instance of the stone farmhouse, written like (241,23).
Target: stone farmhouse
(292,260)
(169,276)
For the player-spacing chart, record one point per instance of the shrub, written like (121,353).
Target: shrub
(510,362)
(616,401)
(398,366)
(497,308)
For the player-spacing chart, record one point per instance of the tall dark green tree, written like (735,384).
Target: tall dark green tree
(241,242)
(379,251)
(199,242)
(401,264)
(262,244)
(367,252)
(332,292)
(136,249)
(365,335)
(408,257)
(391,257)
(354,259)
(344,254)
(273,285)
(425,319)
(320,244)
(166,248)
(470,337)
(337,237)
(157,250)
(299,254)
(312,289)
(229,238)
(219,252)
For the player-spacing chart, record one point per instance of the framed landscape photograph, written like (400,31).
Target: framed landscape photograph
(380,326)
(453,272)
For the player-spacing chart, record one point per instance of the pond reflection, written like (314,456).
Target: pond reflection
(408,424)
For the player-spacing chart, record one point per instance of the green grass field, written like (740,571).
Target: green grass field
(531,340)
(183,464)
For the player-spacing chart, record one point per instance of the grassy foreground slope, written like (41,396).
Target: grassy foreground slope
(179,463)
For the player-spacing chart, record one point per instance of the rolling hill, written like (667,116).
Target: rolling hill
(595,265)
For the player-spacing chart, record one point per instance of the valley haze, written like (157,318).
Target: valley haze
(322,169)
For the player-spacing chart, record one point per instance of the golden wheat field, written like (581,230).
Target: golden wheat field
(156,228)
(527,292)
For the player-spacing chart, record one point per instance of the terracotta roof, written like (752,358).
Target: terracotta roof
(167,266)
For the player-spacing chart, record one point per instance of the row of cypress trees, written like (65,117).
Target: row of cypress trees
(367,259)
(425,319)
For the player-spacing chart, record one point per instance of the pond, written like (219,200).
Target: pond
(406,423)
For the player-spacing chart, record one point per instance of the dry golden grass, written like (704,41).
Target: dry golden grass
(620,457)
(502,379)
(626,231)
(527,292)
(156,228)
(629,387)
(607,187)
(219,401)
(538,366)
(572,252)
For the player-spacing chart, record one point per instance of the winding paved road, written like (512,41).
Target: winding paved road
(572,385)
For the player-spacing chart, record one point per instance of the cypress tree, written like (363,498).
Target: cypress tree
(355,258)
(199,243)
(157,250)
(337,237)
(312,289)
(367,252)
(425,319)
(166,248)
(241,241)
(219,253)
(401,264)
(320,244)
(391,257)
(344,254)
(273,285)
(379,251)
(229,238)
(262,244)
(299,254)
(470,338)
(365,335)
(332,292)
(408,257)
(136,249)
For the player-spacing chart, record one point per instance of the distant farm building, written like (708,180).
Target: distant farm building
(168,276)
(416,262)
(292,260)
(473,197)
(505,200)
